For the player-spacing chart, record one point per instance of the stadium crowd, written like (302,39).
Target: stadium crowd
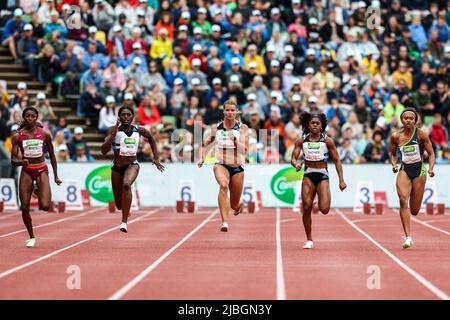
(176,62)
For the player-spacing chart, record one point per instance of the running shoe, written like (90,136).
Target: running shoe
(308,245)
(224,227)
(123,227)
(239,210)
(408,242)
(30,243)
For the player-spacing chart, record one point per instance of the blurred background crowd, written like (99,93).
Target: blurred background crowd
(176,62)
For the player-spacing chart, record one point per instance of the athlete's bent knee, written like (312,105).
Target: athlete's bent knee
(223,187)
(415,211)
(325,210)
(126,186)
(307,208)
(403,202)
(45,207)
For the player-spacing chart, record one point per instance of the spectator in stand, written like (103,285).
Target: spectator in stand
(77,143)
(376,151)
(62,153)
(90,104)
(439,134)
(107,115)
(148,114)
(347,152)
(11,33)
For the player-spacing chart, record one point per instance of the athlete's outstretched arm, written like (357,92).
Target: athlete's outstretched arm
(145,133)
(16,159)
(337,162)
(427,145)
(394,146)
(296,153)
(106,146)
(51,151)
(203,151)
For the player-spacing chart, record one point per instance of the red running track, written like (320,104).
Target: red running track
(166,255)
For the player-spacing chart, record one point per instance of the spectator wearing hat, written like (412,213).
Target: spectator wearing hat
(136,37)
(217,90)
(117,40)
(177,97)
(137,53)
(103,15)
(162,46)
(252,56)
(216,71)
(28,48)
(11,33)
(235,90)
(273,71)
(252,106)
(275,23)
(202,21)
(46,113)
(92,38)
(217,40)
(134,71)
(182,39)
(62,153)
(55,24)
(234,52)
(107,115)
(195,72)
(78,142)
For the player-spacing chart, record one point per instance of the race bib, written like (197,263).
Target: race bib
(411,154)
(129,146)
(313,151)
(224,140)
(32,148)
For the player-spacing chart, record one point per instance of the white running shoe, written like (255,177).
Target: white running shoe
(123,227)
(308,245)
(224,227)
(408,242)
(30,243)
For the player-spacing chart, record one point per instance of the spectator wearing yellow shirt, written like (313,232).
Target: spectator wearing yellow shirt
(370,63)
(393,108)
(184,64)
(403,73)
(253,56)
(162,46)
(324,77)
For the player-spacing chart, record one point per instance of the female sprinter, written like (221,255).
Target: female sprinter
(412,176)
(230,139)
(316,147)
(30,140)
(124,140)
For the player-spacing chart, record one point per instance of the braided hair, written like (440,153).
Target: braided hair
(306,118)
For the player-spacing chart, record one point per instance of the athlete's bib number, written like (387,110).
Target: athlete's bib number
(128,146)
(32,148)
(224,141)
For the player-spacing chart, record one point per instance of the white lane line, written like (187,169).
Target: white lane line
(130,285)
(51,254)
(281,289)
(52,222)
(438,292)
(426,224)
